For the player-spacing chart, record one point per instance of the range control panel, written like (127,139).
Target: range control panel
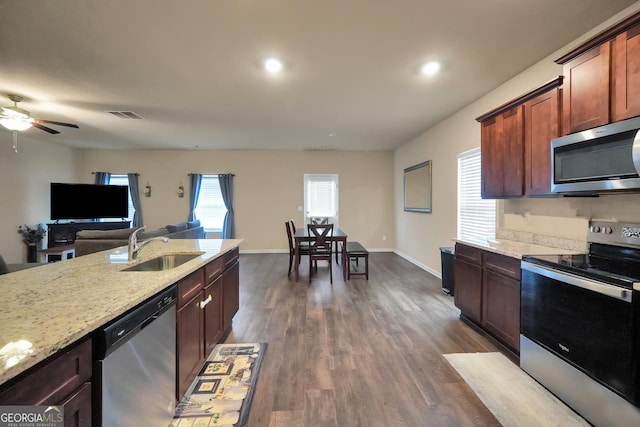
(614,233)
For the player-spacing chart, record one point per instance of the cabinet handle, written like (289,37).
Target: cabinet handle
(205,302)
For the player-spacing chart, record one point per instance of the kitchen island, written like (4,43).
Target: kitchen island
(47,308)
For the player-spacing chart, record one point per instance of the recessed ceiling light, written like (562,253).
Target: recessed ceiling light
(430,68)
(273,65)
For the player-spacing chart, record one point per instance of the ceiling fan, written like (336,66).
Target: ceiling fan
(17,119)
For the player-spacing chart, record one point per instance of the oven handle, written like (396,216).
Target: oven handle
(581,282)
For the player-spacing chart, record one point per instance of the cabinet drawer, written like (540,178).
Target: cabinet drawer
(190,286)
(501,264)
(213,270)
(231,257)
(54,380)
(468,253)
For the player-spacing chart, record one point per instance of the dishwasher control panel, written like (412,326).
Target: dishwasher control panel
(118,330)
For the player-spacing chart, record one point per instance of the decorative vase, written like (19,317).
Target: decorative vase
(32,252)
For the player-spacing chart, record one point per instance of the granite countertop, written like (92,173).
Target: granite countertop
(48,307)
(516,249)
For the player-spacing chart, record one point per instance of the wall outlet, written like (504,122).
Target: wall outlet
(384,237)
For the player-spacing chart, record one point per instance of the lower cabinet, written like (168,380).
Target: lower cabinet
(189,332)
(207,301)
(468,296)
(65,380)
(488,292)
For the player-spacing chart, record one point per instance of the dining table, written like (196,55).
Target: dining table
(302,235)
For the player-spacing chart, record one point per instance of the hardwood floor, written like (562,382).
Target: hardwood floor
(356,353)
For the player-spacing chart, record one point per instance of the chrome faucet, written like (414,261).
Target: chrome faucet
(135,248)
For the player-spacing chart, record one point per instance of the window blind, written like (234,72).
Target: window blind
(210,209)
(321,196)
(476,216)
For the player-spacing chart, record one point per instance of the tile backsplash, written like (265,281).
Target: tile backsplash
(557,232)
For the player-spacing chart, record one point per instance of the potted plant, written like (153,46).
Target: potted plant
(32,236)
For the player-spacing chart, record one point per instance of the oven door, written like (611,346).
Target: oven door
(587,323)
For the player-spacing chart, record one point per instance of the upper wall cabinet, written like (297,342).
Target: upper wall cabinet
(515,143)
(602,78)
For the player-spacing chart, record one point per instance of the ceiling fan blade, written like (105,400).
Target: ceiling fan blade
(56,123)
(44,128)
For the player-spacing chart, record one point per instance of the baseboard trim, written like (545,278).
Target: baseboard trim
(419,264)
(400,254)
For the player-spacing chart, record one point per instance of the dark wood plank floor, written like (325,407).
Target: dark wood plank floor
(356,353)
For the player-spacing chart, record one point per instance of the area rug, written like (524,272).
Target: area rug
(511,395)
(221,393)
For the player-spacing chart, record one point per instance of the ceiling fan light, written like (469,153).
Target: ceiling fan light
(16,123)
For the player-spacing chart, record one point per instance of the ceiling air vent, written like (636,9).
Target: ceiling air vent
(125,115)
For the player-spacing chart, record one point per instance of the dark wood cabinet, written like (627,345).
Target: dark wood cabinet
(602,77)
(501,298)
(213,322)
(502,145)
(541,125)
(189,343)
(515,142)
(468,285)
(625,97)
(207,301)
(586,90)
(64,379)
(230,292)
(488,292)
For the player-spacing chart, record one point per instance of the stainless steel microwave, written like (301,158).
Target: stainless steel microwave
(602,159)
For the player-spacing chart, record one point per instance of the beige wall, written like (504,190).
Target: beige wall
(419,236)
(268,188)
(24,187)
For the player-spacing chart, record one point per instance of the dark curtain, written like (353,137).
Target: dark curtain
(102,178)
(226,188)
(135,199)
(194,192)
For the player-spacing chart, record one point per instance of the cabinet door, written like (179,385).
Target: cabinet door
(492,158)
(230,293)
(468,284)
(625,99)
(513,149)
(501,308)
(212,315)
(542,124)
(189,343)
(586,90)
(77,408)
(502,145)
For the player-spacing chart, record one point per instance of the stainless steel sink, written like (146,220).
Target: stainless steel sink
(164,262)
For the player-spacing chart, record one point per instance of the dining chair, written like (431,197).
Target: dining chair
(320,247)
(318,220)
(304,249)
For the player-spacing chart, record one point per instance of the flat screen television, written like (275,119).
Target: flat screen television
(88,201)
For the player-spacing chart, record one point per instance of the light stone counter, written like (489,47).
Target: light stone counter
(54,305)
(517,249)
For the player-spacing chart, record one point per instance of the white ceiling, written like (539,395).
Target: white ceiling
(192,68)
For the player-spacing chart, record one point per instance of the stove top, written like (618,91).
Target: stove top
(615,272)
(614,255)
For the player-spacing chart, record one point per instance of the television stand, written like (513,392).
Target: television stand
(61,234)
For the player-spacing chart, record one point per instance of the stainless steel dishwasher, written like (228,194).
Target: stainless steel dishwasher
(136,367)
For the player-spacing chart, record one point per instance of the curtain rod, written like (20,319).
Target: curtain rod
(189,174)
(136,174)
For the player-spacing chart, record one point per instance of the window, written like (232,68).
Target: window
(210,209)
(321,196)
(123,180)
(476,216)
